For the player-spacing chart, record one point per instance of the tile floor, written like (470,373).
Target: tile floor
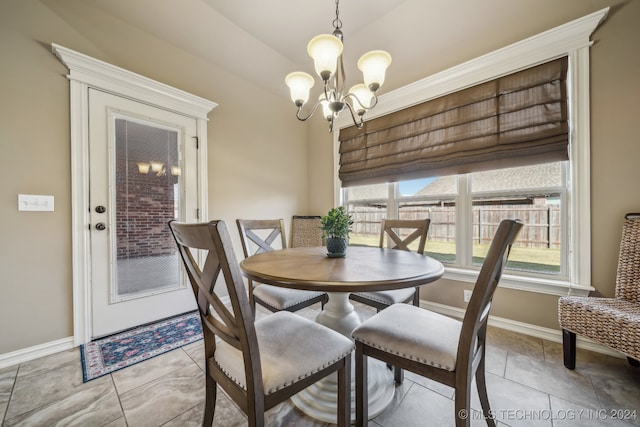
(527,386)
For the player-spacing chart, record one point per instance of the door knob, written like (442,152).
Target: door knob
(100,226)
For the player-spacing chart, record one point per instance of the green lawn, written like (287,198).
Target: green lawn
(538,260)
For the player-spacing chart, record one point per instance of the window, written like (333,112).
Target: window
(530,193)
(558,209)
(368,205)
(435,199)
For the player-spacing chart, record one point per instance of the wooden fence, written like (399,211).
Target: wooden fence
(541,230)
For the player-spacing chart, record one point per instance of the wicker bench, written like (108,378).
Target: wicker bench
(614,322)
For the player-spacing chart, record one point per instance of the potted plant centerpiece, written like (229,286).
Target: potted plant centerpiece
(336,225)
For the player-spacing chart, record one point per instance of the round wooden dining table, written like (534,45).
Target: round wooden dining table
(363,269)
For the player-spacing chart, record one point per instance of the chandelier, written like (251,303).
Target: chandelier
(326,52)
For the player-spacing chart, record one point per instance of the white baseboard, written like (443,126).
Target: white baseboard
(554,335)
(31,353)
(46,349)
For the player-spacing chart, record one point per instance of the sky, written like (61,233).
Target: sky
(409,188)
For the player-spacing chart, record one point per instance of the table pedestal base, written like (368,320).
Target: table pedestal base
(319,400)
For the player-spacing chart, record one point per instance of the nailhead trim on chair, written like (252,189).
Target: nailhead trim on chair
(373,296)
(269,299)
(408,356)
(241,381)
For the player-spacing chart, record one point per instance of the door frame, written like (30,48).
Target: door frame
(86,72)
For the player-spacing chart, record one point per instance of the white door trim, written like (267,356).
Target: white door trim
(86,72)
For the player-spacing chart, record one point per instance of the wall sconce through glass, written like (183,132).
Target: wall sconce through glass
(143,168)
(158,168)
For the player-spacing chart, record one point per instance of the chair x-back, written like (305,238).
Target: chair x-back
(435,346)
(257,363)
(416,230)
(263,235)
(392,228)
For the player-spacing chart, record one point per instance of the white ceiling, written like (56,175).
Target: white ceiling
(263,40)
(286,25)
(260,40)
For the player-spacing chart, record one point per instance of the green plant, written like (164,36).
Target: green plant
(336,223)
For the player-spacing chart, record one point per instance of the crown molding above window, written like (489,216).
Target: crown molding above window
(551,44)
(572,40)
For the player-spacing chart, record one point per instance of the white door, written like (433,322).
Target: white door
(143,173)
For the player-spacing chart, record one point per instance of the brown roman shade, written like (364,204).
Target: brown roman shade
(515,120)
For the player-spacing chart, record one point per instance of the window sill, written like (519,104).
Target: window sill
(523,283)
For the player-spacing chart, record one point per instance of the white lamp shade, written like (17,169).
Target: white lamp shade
(326,111)
(374,66)
(299,84)
(143,167)
(364,96)
(325,50)
(156,166)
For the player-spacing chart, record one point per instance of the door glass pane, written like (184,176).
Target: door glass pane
(147,196)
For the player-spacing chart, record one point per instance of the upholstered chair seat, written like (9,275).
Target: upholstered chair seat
(390,297)
(276,298)
(413,333)
(284,361)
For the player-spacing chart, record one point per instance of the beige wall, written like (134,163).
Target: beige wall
(615,149)
(261,162)
(257,155)
(615,89)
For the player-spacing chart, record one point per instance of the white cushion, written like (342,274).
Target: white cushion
(413,333)
(291,348)
(389,297)
(282,298)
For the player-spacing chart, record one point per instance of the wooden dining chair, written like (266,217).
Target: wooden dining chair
(258,364)
(392,229)
(263,235)
(435,346)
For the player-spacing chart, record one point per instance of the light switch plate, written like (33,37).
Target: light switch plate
(33,202)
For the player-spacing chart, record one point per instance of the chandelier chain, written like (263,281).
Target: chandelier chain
(337,23)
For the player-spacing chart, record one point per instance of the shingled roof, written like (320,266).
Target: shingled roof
(546,175)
